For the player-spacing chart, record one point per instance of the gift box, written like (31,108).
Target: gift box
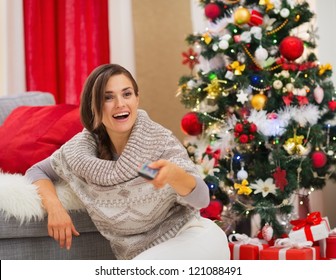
(313,228)
(277,253)
(328,246)
(244,247)
(245,251)
(331,247)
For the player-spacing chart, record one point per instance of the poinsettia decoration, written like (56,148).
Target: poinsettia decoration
(213,154)
(190,58)
(280,178)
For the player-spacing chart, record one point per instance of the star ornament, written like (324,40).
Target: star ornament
(190,57)
(264,187)
(242,97)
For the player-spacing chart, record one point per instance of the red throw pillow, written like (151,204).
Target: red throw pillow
(32,133)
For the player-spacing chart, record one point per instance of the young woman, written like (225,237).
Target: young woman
(142,218)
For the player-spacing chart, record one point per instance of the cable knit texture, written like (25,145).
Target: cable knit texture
(125,208)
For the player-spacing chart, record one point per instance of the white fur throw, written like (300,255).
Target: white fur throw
(19,198)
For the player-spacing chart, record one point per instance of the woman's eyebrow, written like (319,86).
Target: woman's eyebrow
(110,91)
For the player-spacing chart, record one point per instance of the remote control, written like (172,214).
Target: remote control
(147,172)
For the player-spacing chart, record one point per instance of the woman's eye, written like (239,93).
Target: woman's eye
(108,97)
(128,93)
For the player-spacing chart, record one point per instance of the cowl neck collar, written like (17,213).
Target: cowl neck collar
(146,143)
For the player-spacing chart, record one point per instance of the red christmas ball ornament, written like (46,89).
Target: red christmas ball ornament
(212,11)
(332,105)
(243,139)
(253,128)
(239,127)
(291,47)
(319,159)
(191,125)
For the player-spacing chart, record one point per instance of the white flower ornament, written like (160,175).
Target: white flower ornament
(206,167)
(264,187)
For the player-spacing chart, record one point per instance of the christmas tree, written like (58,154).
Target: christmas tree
(262,109)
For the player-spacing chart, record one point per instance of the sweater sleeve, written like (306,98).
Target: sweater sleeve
(42,170)
(176,153)
(199,197)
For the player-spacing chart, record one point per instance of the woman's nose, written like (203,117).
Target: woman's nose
(120,102)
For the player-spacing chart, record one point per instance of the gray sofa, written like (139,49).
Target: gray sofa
(30,240)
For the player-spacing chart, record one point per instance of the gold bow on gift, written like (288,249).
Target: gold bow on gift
(324,68)
(237,67)
(269,5)
(294,145)
(243,188)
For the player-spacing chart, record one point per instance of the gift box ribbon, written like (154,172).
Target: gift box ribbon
(313,219)
(332,232)
(242,239)
(286,244)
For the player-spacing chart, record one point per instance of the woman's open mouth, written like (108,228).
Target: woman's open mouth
(121,116)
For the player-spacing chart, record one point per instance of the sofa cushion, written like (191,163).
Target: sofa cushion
(32,133)
(30,98)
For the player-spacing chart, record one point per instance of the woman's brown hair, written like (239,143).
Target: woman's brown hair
(92,102)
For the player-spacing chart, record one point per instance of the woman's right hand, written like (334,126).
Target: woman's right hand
(60,226)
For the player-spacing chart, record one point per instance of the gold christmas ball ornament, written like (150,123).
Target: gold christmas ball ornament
(242,16)
(258,101)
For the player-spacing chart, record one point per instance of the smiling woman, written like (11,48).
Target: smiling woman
(119,102)
(143,218)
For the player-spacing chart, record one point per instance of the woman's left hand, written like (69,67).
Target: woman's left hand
(175,176)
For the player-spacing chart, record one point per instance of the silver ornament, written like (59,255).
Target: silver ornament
(242,174)
(261,54)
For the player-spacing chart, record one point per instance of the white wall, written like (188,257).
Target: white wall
(326,23)
(326,52)
(121,34)
(12,70)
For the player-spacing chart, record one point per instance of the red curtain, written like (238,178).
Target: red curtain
(64,41)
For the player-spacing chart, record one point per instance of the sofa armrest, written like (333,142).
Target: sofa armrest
(31,98)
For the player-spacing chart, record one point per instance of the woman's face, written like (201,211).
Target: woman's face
(120,106)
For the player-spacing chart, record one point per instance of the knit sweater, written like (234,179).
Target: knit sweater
(125,208)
